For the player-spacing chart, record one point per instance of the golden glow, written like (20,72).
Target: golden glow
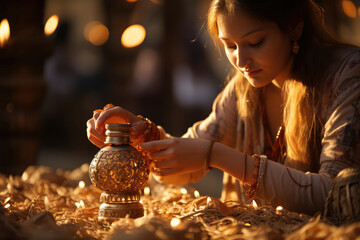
(208,200)
(51,25)
(247,224)
(4,32)
(175,222)
(196,194)
(254,204)
(7,205)
(7,199)
(133,36)
(82,204)
(146,191)
(81,184)
(96,33)
(349,8)
(183,191)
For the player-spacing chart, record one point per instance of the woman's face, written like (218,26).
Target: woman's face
(258,49)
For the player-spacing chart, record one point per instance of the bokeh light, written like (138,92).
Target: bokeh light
(51,25)
(133,36)
(96,33)
(4,32)
(349,8)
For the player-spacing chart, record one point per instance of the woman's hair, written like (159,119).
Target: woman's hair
(300,94)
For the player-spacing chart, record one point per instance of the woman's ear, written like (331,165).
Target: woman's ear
(298,30)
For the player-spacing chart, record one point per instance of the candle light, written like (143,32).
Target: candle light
(196,194)
(254,204)
(147,191)
(4,32)
(279,209)
(175,222)
(81,184)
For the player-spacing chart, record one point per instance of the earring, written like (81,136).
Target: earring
(295,48)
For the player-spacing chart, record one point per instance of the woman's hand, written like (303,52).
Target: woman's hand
(176,155)
(112,114)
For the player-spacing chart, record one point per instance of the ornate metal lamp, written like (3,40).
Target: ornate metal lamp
(121,172)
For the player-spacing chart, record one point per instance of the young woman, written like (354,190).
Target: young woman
(283,127)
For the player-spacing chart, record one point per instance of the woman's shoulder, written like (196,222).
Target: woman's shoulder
(345,71)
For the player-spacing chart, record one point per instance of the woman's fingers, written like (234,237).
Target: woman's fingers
(158,145)
(94,136)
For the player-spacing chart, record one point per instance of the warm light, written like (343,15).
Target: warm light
(82,204)
(7,199)
(46,203)
(208,200)
(156,1)
(146,191)
(96,33)
(254,204)
(175,222)
(51,25)
(7,205)
(183,191)
(81,184)
(141,201)
(133,36)
(78,205)
(25,176)
(279,209)
(4,32)
(196,194)
(131,0)
(349,8)
(247,224)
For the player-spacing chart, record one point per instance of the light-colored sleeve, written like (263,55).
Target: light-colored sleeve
(307,192)
(220,126)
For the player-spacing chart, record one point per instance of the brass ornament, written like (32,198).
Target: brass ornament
(121,172)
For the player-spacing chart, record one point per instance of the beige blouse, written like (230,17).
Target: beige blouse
(281,185)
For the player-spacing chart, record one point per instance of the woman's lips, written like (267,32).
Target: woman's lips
(252,73)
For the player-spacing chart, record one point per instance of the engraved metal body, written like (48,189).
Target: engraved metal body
(121,172)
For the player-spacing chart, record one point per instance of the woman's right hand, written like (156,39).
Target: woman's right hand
(113,114)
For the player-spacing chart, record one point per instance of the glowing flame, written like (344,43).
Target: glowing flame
(4,32)
(7,205)
(133,36)
(82,204)
(46,202)
(196,194)
(81,184)
(51,25)
(146,191)
(25,176)
(254,204)
(279,209)
(183,191)
(175,222)
(96,33)
(349,8)
(7,199)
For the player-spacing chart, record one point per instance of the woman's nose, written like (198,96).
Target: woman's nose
(242,58)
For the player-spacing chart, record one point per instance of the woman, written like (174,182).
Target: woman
(286,123)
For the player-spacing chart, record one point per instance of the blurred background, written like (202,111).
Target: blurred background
(62,59)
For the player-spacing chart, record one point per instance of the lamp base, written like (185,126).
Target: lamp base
(114,211)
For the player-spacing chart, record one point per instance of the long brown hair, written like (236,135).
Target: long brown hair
(300,92)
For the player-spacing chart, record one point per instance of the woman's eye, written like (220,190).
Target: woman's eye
(231,46)
(257,44)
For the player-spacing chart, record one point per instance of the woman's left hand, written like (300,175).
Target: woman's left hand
(176,155)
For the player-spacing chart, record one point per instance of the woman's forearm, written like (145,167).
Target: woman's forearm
(232,162)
